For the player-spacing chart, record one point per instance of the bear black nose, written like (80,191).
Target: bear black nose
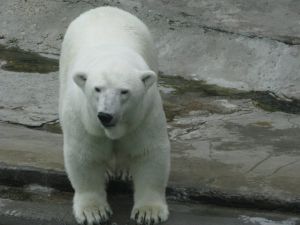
(105,119)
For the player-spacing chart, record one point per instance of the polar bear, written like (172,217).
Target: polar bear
(111,115)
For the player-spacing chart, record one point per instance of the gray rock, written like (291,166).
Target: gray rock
(248,45)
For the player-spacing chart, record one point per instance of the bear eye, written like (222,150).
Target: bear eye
(124,92)
(97,89)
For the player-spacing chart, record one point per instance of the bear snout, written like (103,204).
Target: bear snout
(106,119)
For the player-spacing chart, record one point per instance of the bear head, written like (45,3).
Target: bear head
(115,90)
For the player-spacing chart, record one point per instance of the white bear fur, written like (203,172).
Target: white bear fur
(113,48)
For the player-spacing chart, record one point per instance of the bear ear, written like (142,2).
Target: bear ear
(148,78)
(80,79)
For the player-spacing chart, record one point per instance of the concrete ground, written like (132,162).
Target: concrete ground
(245,156)
(229,146)
(35,205)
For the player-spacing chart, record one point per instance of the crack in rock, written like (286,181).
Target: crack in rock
(283,166)
(258,163)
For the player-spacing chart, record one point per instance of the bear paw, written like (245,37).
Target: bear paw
(150,214)
(109,175)
(123,175)
(93,215)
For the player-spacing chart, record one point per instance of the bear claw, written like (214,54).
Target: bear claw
(93,216)
(150,215)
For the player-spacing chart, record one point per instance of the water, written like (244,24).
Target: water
(18,60)
(266,100)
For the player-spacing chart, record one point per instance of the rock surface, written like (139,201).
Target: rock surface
(247,45)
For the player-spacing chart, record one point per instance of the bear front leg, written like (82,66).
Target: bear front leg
(150,175)
(87,176)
